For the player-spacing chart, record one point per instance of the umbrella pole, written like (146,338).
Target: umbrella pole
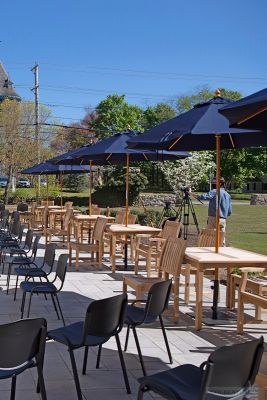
(47,189)
(218,171)
(127,189)
(90,188)
(61,189)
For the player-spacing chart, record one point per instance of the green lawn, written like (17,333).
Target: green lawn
(246,228)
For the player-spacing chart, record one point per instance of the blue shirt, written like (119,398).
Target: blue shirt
(225,203)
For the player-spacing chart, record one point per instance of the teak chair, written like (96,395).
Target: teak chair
(151,247)
(246,297)
(129,239)
(255,284)
(61,232)
(206,238)
(97,245)
(169,265)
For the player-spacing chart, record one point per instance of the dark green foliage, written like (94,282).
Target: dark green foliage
(76,182)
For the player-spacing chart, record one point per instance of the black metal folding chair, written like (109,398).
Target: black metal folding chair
(32,270)
(46,287)
(22,346)
(228,374)
(21,257)
(104,319)
(155,305)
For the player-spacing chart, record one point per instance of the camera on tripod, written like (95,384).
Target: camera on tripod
(186,190)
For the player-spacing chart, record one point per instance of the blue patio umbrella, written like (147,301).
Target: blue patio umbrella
(200,128)
(249,112)
(114,150)
(47,168)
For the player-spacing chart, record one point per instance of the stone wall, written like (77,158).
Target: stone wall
(152,200)
(258,199)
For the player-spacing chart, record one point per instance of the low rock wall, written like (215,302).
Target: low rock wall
(154,200)
(258,199)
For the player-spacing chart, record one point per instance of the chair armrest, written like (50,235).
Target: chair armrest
(143,235)
(157,240)
(252,269)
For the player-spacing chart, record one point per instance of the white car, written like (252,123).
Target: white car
(23,183)
(3,181)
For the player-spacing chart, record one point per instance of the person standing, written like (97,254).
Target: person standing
(225,206)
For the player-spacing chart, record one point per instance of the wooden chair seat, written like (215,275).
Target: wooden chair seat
(170,265)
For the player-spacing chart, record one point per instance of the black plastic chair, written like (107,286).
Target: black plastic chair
(22,207)
(22,248)
(22,346)
(22,258)
(46,287)
(32,270)
(8,243)
(104,319)
(155,305)
(228,374)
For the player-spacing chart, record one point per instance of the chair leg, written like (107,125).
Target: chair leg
(139,351)
(60,311)
(165,338)
(98,356)
(75,374)
(140,394)
(136,264)
(55,306)
(16,287)
(127,338)
(240,314)
(22,304)
(13,387)
(29,306)
(187,284)
(124,371)
(8,277)
(41,384)
(85,360)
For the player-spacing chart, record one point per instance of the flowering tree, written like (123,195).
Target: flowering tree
(188,172)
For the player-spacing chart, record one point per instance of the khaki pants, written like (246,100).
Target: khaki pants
(211,223)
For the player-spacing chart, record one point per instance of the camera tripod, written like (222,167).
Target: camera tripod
(182,214)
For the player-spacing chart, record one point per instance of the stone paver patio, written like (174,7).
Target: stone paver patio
(187,345)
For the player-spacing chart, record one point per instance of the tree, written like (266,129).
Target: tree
(114,114)
(191,171)
(75,135)
(185,103)
(157,114)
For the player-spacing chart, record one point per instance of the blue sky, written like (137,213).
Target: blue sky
(151,50)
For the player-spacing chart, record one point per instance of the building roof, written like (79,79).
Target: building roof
(6,86)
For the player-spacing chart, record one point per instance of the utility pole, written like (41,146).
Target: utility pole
(35,89)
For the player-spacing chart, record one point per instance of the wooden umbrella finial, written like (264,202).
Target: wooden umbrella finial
(217,93)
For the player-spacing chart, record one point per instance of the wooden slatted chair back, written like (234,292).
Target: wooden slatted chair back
(132,219)
(67,218)
(33,207)
(207,238)
(96,210)
(171,229)
(120,217)
(47,203)
(99,228)
(172,256)
(68,204)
